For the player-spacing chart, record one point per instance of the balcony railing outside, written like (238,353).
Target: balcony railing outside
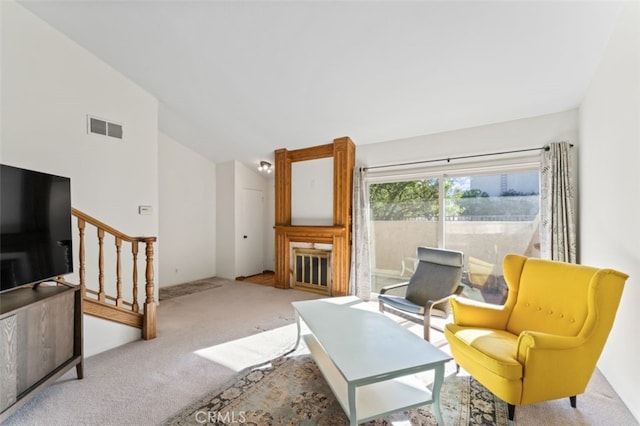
(484,243)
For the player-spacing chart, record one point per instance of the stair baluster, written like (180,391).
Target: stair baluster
(116,308)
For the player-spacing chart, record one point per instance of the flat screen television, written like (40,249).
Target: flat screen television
(35,227)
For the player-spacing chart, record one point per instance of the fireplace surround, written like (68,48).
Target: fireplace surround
(337,235)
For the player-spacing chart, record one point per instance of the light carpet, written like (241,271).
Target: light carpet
(204,340)
(290,390)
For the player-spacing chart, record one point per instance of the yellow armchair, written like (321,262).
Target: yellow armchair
(544,342)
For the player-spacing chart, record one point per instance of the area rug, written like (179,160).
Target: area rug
(166,293)
(290,390)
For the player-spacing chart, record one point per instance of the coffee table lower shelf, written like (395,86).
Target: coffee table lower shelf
(377,398)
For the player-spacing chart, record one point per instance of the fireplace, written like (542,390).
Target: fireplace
(311,270)
(336,234)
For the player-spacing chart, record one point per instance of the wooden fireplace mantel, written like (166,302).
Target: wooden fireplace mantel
(307,231)
(338,235)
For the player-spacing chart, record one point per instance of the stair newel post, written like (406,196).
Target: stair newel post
(118,272)
(81,258)
(149,325)
(134,252)
(101,294)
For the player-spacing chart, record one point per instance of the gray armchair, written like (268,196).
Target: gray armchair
(436,279)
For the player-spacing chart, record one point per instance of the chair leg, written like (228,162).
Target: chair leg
(512,411)
(573,400)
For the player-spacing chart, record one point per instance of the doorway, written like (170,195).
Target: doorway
(251,233)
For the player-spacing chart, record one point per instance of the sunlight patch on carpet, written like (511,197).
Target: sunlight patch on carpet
(242,353)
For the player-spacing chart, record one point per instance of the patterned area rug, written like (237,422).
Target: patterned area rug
(290,390)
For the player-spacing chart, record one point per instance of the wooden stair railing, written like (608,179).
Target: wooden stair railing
(116,308)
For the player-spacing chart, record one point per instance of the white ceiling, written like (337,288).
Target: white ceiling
(236,80)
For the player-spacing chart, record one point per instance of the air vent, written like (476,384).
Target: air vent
(99,126)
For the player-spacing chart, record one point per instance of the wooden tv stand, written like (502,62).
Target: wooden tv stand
(40,340)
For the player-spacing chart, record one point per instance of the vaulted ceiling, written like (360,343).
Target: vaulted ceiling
(238,79)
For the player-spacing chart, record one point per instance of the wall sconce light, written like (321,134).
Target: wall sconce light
(265,166)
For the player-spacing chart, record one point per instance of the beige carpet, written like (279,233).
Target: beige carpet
(204,340)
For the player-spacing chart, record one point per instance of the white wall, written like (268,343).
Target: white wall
(187,213)
(312,192)
(610,194)
(49,84)
(225,220)
(532,132)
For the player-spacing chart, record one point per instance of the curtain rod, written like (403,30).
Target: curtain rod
(448,159)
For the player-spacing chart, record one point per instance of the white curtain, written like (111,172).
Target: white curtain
(360,277)
(557,204)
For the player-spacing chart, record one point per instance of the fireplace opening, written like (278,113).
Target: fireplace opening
(312,270)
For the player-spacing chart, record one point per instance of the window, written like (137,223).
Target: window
(486,216)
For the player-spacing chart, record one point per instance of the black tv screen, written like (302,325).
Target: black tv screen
(35,227)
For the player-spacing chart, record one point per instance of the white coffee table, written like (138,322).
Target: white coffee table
(368,359)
